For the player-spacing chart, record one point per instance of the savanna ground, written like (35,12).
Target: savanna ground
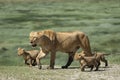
(72,73)
(99,19)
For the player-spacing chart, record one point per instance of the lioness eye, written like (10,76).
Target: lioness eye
(34,38)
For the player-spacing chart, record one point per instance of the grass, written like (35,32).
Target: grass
(100,20)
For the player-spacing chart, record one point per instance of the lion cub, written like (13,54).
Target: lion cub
(100,57)
(87,61)
(28,55)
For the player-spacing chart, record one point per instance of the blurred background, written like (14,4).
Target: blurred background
(99,19)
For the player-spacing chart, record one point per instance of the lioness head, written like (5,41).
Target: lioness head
(41,38)
(20,51)
(34,38)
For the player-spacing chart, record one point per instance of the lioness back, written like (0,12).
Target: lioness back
(67,41)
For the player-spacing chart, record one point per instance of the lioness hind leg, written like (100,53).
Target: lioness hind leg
(70,60)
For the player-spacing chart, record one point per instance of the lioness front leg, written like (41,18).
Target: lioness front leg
(38,62)
(52,60)
(38,58)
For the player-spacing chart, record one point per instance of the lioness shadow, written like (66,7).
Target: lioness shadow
(101,68)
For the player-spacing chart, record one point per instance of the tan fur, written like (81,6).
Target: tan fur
(101,57)
(28,55)
(51,41)
(87,61)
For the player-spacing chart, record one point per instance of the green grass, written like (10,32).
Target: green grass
(100,20)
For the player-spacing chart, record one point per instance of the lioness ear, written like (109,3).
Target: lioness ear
(31,33)
(50,34)
(37,33)
(34,33)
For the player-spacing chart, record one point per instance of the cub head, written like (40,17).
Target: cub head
(84,53)
(20,51)
(79,56)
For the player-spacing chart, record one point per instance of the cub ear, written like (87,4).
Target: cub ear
(82,56)
(19,48)
(23,49)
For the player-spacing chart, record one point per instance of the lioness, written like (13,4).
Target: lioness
(90,61)
(28,55)
(51,41)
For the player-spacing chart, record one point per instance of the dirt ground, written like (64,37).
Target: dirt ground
(112,72)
